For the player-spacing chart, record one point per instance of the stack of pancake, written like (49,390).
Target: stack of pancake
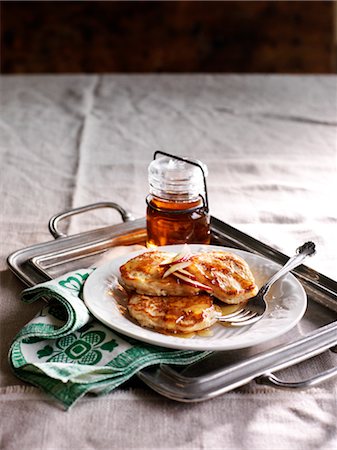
(175,293)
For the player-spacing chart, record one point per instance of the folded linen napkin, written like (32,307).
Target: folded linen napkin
(67,353)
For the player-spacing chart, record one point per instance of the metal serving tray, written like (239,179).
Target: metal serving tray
(222,371)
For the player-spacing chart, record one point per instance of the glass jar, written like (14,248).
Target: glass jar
(177,206)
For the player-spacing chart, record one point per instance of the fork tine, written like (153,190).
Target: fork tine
(243,318)
(249,315)
(234,317)
(251,321)
(234,314)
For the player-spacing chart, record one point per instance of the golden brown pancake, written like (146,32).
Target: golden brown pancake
(143,274)
(185,314)
(224,275)
(227,274)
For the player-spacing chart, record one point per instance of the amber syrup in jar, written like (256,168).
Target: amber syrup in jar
(176,209)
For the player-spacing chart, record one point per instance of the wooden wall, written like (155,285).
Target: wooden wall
(171,36)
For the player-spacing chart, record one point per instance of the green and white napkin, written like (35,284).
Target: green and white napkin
(67,353)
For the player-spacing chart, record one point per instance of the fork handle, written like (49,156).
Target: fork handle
(307,249)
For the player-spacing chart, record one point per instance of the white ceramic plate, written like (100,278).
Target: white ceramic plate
(287,303)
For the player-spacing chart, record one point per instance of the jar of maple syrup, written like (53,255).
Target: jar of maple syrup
(177,205)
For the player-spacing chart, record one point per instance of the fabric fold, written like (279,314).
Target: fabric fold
(67,353)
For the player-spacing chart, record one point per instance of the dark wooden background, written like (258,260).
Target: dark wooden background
(171,36)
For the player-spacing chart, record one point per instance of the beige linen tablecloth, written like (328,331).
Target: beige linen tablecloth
(270,145)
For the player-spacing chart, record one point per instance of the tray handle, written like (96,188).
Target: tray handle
(55,220)
(269,379)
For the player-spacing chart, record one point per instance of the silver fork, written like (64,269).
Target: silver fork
(257,306)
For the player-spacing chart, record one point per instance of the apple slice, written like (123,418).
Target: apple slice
(175,267)
(193,283)
(183,255)
(187,274)
(166,263)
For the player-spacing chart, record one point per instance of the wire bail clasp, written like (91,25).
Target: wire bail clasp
(194,163)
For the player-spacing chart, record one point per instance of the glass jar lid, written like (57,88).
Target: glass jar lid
(174,179)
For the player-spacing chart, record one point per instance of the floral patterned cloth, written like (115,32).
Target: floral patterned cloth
(67,353)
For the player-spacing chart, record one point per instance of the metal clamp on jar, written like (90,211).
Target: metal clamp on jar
(177,206)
